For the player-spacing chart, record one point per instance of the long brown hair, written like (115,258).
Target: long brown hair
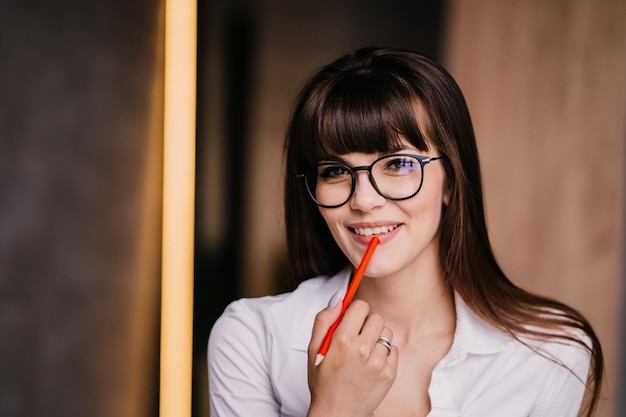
(364,102)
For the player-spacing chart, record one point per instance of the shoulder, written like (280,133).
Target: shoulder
(565,360)
(559,337)
(564,348)
(257,350)
(250,319)
(514,374)
(567,348)
(314,291)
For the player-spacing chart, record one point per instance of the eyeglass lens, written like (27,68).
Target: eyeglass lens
(395,177)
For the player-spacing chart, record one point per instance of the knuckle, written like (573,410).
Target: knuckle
(363,352)
(377,318)
(342,341)
(378,363)
(388,374)
(390,369)
(360,306)
(319,317)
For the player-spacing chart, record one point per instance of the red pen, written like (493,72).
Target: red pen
(356,279)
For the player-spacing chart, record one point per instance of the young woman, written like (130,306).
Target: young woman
(381,144)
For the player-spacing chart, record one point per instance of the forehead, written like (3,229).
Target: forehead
(360,158)
(390,128)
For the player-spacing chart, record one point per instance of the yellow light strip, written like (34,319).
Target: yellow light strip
(178,207)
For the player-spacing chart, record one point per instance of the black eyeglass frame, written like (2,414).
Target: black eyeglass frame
(423,160)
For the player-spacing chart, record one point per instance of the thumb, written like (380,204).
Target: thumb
(323,321)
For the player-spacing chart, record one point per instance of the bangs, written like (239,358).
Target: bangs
(366,112)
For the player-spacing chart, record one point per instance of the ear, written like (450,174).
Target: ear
(446,195)
(446,192)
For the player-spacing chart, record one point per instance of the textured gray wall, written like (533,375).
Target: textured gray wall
(79,207)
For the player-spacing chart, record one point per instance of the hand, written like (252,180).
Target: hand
(357,371)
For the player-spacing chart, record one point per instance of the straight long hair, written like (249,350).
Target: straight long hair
(367,101)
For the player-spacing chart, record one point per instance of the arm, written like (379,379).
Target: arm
(239,383)
(351,381)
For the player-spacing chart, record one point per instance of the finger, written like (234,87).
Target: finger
(373,327)
(354,317)
(392,360)
(384,342)
(323,320)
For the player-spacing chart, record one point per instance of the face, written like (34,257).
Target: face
(407,229)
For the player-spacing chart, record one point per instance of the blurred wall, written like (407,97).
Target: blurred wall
(80,184)
(546,85)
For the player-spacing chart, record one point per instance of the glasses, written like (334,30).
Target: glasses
(395,177)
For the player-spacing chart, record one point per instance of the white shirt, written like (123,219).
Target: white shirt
(257,360)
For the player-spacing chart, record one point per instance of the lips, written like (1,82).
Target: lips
(376,230)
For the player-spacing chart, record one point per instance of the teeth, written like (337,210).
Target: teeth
(368,231)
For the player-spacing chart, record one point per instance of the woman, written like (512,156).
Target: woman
(381,144)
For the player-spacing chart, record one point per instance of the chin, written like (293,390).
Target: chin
(374,271)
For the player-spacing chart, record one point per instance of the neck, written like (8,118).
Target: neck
(413,305)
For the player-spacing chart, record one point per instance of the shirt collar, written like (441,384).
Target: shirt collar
(473,335)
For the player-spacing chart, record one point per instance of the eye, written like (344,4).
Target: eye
(333,173)
(401,165)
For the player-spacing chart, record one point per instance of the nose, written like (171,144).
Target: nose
(365,197)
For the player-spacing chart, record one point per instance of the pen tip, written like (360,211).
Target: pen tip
(318,359)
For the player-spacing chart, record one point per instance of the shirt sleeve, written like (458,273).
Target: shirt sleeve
(239,382)
(564,388)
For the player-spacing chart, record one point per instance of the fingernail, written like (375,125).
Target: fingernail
(334,300)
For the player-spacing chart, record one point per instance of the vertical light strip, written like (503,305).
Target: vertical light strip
(178,207)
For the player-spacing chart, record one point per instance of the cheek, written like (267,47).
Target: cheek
(331,217)
(437,189)
(325,214)
(337,231)
(334,222)
(426,209)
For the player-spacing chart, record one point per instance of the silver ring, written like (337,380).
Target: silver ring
(385,342)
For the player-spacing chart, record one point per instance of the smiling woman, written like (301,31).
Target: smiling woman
(436,327)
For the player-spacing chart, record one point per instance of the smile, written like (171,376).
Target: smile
(368,231)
